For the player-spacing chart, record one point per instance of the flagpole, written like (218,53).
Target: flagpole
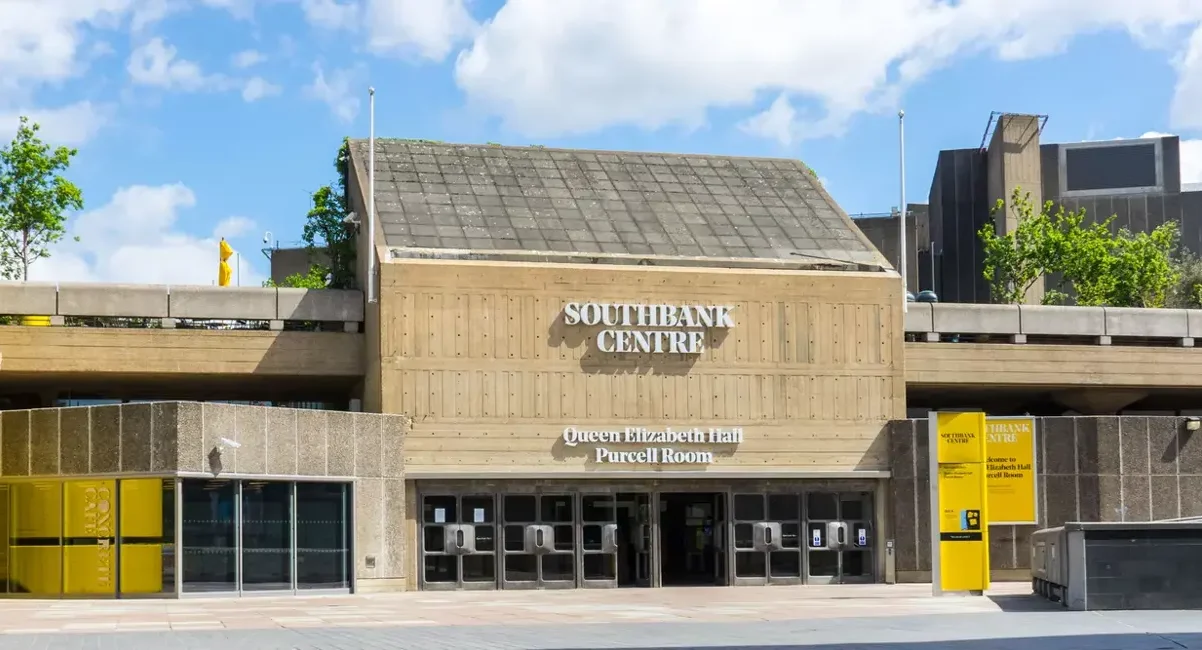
(901,148)
(371,196)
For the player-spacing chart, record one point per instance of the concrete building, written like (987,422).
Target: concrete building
(1137,181)
(581,369)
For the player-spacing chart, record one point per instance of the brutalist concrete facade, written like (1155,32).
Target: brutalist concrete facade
(180,439)
(1121,468)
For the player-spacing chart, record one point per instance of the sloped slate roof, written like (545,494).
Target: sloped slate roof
(535,199)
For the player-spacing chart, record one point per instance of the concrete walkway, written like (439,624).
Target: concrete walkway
(681,605)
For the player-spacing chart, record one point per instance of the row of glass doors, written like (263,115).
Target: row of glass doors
(566,539)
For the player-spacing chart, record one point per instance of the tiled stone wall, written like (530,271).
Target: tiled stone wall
(1120,468)
(181,437)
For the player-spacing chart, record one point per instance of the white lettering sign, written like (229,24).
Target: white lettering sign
(670,329)
(573,436)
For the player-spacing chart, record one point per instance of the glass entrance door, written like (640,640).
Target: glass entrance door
(539,551)
(599,542)
(839,537)
(767,544)
(459,548)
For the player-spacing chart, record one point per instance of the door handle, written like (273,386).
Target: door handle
(842,538)
(768,535)
(538,538)
(459,538)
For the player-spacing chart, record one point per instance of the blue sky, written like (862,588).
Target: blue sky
(198,119)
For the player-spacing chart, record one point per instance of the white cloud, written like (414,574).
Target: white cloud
(331,14)
(257,88)
(338,91)
(775,123)
(71,125)
(558,67)
(154,63)
(231,227)
(427,28)
(247,59)
(1186,110)
(134,239)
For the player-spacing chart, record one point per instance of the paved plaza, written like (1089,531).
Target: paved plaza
(900,617)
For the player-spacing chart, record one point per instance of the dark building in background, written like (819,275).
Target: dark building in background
(1138,181)
(882,230)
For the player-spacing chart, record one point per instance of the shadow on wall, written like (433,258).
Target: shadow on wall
(594,361)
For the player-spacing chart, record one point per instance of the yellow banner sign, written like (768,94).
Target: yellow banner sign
(960,437)
(962,540)
(1010,448)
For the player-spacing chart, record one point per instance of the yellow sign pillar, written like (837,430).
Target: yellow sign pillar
(224,273)
(959,503)
(1010,446)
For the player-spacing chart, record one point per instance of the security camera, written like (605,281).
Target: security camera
(267,237)
(231,444)
(351,217)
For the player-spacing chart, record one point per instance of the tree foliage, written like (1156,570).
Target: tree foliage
(326,230)
(1085,263)
(33,199)
(317,278)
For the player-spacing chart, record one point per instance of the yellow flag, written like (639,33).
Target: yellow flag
(224,273)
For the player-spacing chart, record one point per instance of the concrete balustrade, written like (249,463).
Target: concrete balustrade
(170,304)
(935,321)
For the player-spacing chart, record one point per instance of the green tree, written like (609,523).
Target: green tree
(33,199)
(326,230)
(317,278)
(1014,261)
(1187,292)
(1098,266)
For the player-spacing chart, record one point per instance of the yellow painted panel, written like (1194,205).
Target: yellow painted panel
(37,570)
(37,511)
(89,568)
(142,508)
(90,509)
(961,437)
(141,568)
(1010,447)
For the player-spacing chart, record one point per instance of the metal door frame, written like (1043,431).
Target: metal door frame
(801,551)
(540,583)
(459,583)
(869,521)
(580,523)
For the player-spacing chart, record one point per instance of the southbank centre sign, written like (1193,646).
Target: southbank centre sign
(649,329)
(649,454)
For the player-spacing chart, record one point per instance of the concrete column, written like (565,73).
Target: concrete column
(1013,162)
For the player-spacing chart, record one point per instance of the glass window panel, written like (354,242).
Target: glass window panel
(855,563)
(5,541)
(557,507)
(434,539)
(559,566)
(439,509)
(36,543)
(785,564)
(521,508)
(824,563)
(600,566)
(266,535)
(515,538)
(597,508)
(565,537)
(521,568)
(478,510)
(750,564)
(749,507)
(852,508)
(479,568)
(486,538)
(592,537)
(441,568)
(822,506)
(790,535)
(209,547)
(784,507)
(744,536)
(323,536)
